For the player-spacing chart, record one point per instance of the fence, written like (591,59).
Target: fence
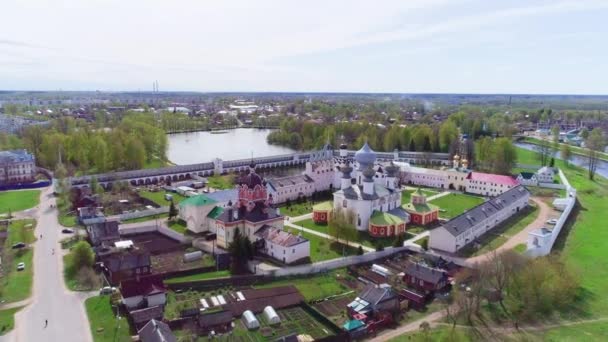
(154,228)
(328,265)
(36,185)
(143,213)
(545,248)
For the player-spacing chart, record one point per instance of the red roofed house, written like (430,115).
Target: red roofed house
(487,184)
(143,292)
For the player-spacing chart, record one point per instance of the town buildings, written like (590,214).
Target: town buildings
(282,245)
(17,166)
(423,278)
(465,228)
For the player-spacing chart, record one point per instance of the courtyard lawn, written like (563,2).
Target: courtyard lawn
(18,200)
(520,248)
(318,286)
(220,182)
(296,209)
(105,326)
(17,285)
(199,276)
(179,226)
(363,239)
(499,235)
(455,204)
(158,197)
(7,320)
(324,249)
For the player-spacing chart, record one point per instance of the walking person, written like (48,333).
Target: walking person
(46,323)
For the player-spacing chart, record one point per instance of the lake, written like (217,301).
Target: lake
(239,143)
(602,166)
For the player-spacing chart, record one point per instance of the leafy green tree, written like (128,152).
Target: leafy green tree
(566,153)
(360,250)
(172,211)
(584,133)
(595,143)
(82,255)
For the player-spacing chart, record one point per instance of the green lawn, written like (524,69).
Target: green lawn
(422,241)
(7,320)
(364,238)
(437,334)
(199,276)
(105,327)
(17,285)
(296,209)
(158,197)
(520,248)
(324,249)
(67,220)
(221,182)
(321,285)
(454,204)
(160,217)
(18,200)
(179,226)
(499,235)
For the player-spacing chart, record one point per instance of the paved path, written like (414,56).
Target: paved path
(326,236)
(301,217)
(50,298)
(441,194)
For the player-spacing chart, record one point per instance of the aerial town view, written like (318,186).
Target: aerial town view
(303,171)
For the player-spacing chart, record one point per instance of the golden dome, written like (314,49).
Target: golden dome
(456,157)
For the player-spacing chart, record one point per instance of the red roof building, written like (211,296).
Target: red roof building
(488,184)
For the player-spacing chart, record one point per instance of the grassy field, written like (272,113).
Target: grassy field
(296,209)
(179,226)
(439,334)
(221,182)
(17,285)
(321,285)
(158,197)
(499,235)
(363,238)
(454,204)
(407,194)
(324,249)
(199,276)
(18,200)
(7,320)
(520,248)
(105,327)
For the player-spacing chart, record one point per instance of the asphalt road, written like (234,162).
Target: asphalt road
(51,300)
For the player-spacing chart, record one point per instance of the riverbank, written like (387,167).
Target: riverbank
(226,128)
(579,151)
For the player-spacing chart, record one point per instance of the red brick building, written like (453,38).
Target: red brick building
(421,212)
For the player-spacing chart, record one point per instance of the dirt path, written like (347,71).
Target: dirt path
(522,237)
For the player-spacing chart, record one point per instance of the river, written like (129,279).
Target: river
(239,143)
(602,166)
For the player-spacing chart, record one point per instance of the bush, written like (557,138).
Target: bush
(82,255)
(87,279)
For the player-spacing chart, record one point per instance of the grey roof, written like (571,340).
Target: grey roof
(472,217)
(428,274)
(355,192)
(260,212)
(127,261)
(374,294)
(223,196)
(279,236)
(527,175)
(15,156)
(214,319)
(277,183)
(156,331)
(401,213)
(103,231)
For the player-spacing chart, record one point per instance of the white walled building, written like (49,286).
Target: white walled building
(17,166)
(282,245)
(195,210)
(467,227)
(545,174)
(487,184)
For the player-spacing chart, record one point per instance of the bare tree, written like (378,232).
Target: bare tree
(595,144)
(544,150)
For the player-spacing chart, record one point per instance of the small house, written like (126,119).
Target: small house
(545,174)
(281,245)
(141,317)
(156,331)
(103,231)
(146,291)
(527,178)
(127,265)
(425,278)
(372,300)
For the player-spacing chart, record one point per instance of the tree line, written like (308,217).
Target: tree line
(81,148)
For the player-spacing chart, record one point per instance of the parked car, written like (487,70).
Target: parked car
(19,245)
(552,221)
(67,231)
(21,266)
(107,290)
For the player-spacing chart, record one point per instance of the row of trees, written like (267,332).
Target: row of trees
(130,145)
(423,137)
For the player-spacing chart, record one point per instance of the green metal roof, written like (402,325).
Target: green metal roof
(197,201)
(419,208)
(383,219)
(215,213)
(323,206)
(352,325)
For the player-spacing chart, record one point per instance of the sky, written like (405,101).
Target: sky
(404,46)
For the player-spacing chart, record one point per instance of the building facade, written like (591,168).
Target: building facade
(465,228)
(17,166)
(281,245)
